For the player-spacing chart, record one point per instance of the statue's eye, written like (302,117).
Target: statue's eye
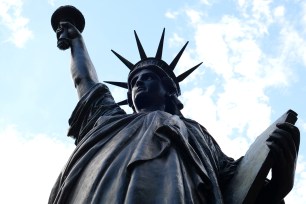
(133,81)
(149,78)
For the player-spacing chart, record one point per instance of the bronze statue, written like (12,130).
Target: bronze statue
(154,155)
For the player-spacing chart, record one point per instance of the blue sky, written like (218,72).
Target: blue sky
(253,54)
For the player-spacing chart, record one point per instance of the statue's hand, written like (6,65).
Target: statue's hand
(284,143)
(65,33)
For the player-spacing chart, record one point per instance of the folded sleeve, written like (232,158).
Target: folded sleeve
(94,104)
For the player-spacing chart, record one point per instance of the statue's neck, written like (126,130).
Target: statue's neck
(151,109)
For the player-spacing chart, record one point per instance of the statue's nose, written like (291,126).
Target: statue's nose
(139,81)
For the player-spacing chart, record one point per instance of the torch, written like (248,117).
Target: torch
(69,14)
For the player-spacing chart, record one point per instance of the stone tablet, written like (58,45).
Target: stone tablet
(254,167)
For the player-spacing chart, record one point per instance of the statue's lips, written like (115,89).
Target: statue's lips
(140,89)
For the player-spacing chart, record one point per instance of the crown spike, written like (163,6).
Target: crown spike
(183,76)
(140,48)
(124,102)
(159,52)
(178,56)
(120,84)
(125,61)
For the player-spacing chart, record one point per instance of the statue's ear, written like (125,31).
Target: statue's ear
(177,102)
(173,105)
(129,97)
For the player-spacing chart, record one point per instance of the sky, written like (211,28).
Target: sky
(253,54)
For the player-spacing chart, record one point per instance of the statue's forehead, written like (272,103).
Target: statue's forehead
(146,70)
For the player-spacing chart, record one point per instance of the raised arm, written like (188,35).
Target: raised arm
(82,69)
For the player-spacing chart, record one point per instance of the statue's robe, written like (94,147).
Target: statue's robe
(140,158)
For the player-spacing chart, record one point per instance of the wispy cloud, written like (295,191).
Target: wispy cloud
(194,16)
(298,196)
(13,21)
(54,2)
(30,165)
(171,14)
(234,51)
(243,61)
(207,2)
(51,2)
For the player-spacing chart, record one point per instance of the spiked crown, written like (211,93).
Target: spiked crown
(157,64)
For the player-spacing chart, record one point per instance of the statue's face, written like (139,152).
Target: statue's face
(147,90)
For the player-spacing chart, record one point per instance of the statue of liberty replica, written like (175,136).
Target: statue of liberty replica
(155,154)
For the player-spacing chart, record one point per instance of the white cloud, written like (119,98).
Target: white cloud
(258,13)
(54,2)
(206,113)
(231,49)
(292,44)
(303,125)
(51,2)
(229,117)
(186,61)
(207,2)
(234,50)
(211,46)
(241,3)
(261,9)
(303,15)
(176,40)
(193,15)
(279,11)
(297,195)
(30,164)
(12,19)
(171,14)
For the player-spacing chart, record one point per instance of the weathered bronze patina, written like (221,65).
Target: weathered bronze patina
(155,154)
